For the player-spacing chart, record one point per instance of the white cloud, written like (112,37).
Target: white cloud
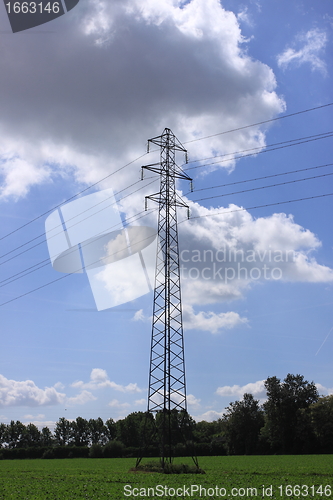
(81,399)
(40,416)
(209,416)
(113,90)
(139,316)
(193,402)
(40,424)
(26,393)
(99,379)
(59,385)
(116,404)
(312,44)
(244,16)
(226,250)
(324,391)
(140,402)
(257,389)
(210,321)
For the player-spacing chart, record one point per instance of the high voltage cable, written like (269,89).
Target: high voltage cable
(303,140)
(82,220)
(314,138)
(60,225)
(260,123)
(71,198)
(258,206)
(187,142)
(195,217)
(71,250)
(263,187)
(67,275)
(321,135)
(260,178)
(46,262)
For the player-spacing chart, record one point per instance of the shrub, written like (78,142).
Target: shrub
(48,453)
(96,451)
(113,449)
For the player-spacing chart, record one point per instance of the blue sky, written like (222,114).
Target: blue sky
(80,98)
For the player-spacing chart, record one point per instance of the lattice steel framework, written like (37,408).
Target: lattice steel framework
(167,388)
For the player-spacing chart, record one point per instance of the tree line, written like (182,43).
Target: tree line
(293,420)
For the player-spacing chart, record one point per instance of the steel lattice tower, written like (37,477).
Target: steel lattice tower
(167,388)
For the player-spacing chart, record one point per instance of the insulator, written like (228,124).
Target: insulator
(146,204)
(142,173)
(188,213)
(191,186)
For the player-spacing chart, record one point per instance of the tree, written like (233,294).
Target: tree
(33,436)
(2,434)
(244,419)
(98,431)
(321,415)
(205,431)
(129,429)
(46,437)
(62,432)
(15,434)
(283,411)
(80,432)
(111,429)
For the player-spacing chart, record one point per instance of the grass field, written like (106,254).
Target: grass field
(235,477)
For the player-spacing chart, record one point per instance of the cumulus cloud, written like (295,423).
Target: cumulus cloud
(324,391)
(140,402)
(244,16)
(139,315)
(209,416)
(257,389)
(225,251)
(312,45)
(39,423)
(112,90)
(81,399)
(116,404)
(210,321)
(193,402)
(26,393)
(99,379)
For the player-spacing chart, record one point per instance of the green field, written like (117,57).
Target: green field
(100,479)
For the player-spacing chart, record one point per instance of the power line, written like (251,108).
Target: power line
(131,162)
(71,198)
(69,227)
(194,217)
(264,187)
(302,140)
(46,262)
(260,178)
(259,206)
(260,123)
(321,135)
(76,271)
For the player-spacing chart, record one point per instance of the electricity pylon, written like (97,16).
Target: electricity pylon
(167,388)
